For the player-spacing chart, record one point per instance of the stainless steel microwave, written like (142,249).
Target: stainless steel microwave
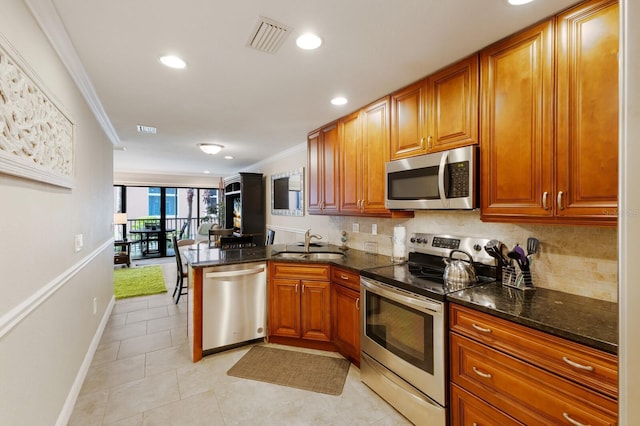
(445,180)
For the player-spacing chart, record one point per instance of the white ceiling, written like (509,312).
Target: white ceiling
(258,104)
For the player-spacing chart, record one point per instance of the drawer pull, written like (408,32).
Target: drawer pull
(477,327)
(481,373)
(570,420)
(344,277)
(576,365)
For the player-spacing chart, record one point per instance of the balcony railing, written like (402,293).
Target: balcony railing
(143,246)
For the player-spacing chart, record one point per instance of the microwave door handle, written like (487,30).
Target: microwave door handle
(441,171)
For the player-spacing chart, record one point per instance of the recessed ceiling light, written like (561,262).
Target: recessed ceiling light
(519,2)
(173,62)
(308,41)
(210,148)
(339,100)
(228,157)
(206,172)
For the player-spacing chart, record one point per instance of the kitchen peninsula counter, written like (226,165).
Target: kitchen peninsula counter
(200,258)
(584,320)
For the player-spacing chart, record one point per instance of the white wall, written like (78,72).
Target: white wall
(46,321)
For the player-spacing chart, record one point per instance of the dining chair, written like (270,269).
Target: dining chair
(181,272)
(235,242)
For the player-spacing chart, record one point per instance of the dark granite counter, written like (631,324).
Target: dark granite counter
(584,320)
(201,256)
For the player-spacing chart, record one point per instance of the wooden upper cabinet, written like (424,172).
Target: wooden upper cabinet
(587,124)
(323,165)
(533,170)
(516,113)
(375,154)
(350,135)
(437,113)
(453,106)
(408,121)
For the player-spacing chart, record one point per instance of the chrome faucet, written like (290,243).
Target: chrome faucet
(307,239)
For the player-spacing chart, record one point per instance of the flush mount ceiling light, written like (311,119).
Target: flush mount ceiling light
(339,100)
(308,41)
(210,148)
(173,62)
(519,2)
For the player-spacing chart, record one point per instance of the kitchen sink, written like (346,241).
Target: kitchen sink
(309,256)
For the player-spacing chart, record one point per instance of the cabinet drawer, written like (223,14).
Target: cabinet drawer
(300,271)
(590,367)
(346,278)
(467,410)
(529,394)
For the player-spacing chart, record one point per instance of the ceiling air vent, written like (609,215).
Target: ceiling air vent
(146,129)
(268,35)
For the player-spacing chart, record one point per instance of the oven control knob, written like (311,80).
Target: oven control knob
(413,239)
(419,240)
(477,247)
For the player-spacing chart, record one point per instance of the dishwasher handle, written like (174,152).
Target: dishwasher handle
(236,273)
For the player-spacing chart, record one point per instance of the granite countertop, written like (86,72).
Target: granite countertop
(584,320)
(201,256)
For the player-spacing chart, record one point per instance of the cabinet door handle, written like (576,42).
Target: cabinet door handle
(560,206)
(481,373)
(429,142)
(422,141)
(302,288)
(344,277)
(296,288)
(477,327)
(545,204)
(570,420)
(358,304)
(576,365)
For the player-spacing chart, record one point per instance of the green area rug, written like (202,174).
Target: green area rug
(131,282)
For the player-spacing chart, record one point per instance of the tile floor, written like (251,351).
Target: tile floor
(141,374)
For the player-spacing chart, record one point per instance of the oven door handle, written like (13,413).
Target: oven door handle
(441,176)
(413,301)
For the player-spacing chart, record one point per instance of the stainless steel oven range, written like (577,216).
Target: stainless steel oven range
(404,324)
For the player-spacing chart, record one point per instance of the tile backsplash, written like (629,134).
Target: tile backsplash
(574,259)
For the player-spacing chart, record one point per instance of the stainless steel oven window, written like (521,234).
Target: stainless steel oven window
(406,332)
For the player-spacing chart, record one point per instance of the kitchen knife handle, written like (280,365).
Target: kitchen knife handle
(570,420)
(545,205)
(576,365)
(482,329)
(560,206)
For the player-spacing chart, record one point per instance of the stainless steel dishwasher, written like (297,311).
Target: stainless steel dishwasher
(234,305)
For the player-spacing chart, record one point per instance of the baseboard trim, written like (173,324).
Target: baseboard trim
(12,318)
(74,392)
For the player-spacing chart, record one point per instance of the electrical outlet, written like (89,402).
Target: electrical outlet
(356,227)
(95,305)
(78,242)
(374,229)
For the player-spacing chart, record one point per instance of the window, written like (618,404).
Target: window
(171,206)
(154,201)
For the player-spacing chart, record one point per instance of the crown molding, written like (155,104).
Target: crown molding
(47,17)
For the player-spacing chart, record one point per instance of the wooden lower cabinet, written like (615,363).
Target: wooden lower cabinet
(345,313)
(469,410)
(300,303)
(496,379)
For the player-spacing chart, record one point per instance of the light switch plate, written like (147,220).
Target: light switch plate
(78,242)
(374,229)
(356,227)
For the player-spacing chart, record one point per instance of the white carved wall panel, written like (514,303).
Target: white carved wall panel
(36,136)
